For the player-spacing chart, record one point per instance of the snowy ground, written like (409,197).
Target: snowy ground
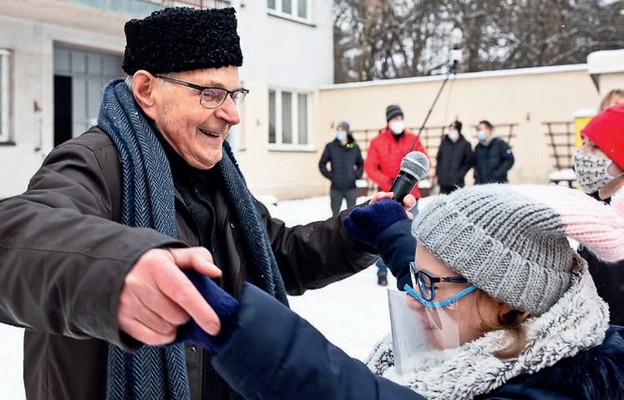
(353,313)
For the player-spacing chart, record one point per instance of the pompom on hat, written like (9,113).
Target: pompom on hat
(182,39)
(511,240)
(606,130)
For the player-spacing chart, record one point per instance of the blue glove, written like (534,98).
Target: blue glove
(224,305)
(368,221)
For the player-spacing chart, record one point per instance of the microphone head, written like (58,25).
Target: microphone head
(416,164)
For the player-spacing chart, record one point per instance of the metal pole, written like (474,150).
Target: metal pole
(234,136)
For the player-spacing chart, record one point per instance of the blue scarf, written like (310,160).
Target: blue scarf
(159,373)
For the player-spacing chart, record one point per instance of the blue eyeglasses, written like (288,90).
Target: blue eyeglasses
(424,286)
(211,97)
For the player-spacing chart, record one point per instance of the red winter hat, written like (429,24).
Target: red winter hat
(606,130)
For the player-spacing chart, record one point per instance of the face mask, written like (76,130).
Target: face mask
(397,127)
(591,171)
(453,135)
(341,135)
(481,136)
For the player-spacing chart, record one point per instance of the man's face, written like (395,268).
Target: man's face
(195,132)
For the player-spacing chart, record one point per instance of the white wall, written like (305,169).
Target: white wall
(31,42)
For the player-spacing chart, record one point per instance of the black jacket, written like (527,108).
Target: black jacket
(492,161)
(345,162)
(453,161)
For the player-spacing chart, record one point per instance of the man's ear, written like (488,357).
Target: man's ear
(143,90)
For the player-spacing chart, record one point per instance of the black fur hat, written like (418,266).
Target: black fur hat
(182,39)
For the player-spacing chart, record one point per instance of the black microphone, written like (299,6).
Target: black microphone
(414,167)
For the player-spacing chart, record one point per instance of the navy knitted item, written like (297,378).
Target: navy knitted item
(222,303)
(159,373)
(150,373)
(366,222)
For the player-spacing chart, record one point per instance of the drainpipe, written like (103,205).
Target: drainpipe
(234,136)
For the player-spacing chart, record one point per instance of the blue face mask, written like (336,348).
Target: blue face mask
(481,136)
(341,135)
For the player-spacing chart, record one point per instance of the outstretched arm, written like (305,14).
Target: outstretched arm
(272,353)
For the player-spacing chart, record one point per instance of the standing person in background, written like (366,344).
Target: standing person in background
(599,168)
(383,161)
(492,156)
(346,167)
(453,160)
(613,97)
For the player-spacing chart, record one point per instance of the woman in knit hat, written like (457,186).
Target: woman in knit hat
(506,308)
(599,166)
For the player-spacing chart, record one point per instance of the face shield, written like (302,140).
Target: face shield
(426,319)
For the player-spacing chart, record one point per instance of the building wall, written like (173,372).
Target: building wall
(283,54)
(526,97)
(29,29)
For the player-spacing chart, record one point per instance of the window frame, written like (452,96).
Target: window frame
(294,14)
(5,58)
(279,144)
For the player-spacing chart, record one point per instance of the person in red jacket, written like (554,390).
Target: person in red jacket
(383,161)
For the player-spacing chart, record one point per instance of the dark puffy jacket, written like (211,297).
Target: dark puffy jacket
(346,164)
(609,280)
(595,373)
(453,161)
(492,161)
(275,354)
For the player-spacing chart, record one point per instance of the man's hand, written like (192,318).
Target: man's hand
(409,201)
(157,297)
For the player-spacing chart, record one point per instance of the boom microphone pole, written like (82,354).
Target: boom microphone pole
(455,58)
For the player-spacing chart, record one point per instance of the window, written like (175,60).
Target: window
(4,95)
(288,119)
(295,9)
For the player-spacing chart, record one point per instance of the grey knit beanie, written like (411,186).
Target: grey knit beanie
(392,111)
(506,244)
(344,125)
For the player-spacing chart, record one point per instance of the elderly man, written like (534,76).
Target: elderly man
(93,255)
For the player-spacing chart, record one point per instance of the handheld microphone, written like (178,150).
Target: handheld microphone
(414,167)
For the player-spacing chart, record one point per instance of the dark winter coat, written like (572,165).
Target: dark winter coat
(492,161)
(595,373)
(346,164)
(275,354)
(384,156)
(453,161)
(64,257)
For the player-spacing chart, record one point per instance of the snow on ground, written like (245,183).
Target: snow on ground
(352,313)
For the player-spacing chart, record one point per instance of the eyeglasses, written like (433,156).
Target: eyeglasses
(211,97)
(424,282)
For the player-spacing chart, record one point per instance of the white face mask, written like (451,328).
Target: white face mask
(591,171)
(452,134)
(397,127)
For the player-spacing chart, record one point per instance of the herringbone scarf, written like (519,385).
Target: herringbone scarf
(159,373)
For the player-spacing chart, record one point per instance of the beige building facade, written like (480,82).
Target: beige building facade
(533,108)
